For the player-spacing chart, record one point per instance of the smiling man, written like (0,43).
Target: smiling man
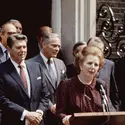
(23,92)
(53,68)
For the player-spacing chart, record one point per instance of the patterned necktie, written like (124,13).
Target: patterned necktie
(51,72)
(23,76)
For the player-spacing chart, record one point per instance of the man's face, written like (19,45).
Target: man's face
(51,48)
(18,51)
(18,27)
(9,29)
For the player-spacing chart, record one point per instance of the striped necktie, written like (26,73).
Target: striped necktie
(23,76)
(51,72)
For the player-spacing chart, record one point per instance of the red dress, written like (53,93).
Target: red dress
(73,97)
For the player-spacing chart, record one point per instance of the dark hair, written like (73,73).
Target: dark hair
(80,43)
(43,30)
(89,50)
(15,38)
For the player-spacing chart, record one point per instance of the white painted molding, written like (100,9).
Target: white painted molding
(56,16)
(73,20)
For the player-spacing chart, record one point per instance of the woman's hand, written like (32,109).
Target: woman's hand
(65,120)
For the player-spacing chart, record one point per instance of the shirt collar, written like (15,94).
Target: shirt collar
(16,64)
(92,85)
(2,47)
(44,58)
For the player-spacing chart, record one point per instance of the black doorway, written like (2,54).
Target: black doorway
(32,14)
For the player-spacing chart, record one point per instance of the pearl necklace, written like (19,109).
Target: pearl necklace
(84,82)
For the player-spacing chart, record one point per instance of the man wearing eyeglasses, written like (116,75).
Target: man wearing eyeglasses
(6,30)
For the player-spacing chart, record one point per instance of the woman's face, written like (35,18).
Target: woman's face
(90,66)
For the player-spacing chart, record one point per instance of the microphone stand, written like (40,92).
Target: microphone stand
(105,105)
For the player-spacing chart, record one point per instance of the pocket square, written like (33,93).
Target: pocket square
(38,78)
(62,71)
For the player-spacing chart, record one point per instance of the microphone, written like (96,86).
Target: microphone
(103,92)
(100,86)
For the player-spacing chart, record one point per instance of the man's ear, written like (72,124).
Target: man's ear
(8,48)
(43,44)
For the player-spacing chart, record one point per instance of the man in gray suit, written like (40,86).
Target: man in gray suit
(107,73)
(50,46)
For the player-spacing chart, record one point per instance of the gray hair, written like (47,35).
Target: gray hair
(47,38)
(2,29)
(13,20)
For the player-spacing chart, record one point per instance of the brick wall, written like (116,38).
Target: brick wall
(118,7)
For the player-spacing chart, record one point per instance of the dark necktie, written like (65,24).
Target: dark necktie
(23,76)
(51,72)
(6,54)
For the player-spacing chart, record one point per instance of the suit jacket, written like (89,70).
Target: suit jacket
(71,70)
(3,54)
(61,74)
(13,96)
(107,74)
(120,78)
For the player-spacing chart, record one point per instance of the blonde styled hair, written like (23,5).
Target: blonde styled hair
(89,50)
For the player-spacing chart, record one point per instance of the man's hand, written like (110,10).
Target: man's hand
(34,118)
(53,109)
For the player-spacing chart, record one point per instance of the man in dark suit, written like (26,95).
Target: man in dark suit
(23,92)
(107,73)
(6,30)
(50,47)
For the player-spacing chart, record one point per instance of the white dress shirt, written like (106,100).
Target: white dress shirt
(52,64)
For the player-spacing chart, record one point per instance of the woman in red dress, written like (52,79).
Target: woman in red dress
(80,93)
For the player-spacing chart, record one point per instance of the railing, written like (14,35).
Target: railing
(112,32)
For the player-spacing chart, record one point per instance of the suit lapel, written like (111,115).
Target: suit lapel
(14,74)
(31,77)
(39,59)
(57,70)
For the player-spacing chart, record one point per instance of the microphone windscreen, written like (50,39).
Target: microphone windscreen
(100,82)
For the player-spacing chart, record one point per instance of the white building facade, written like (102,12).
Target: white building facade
(73,20)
